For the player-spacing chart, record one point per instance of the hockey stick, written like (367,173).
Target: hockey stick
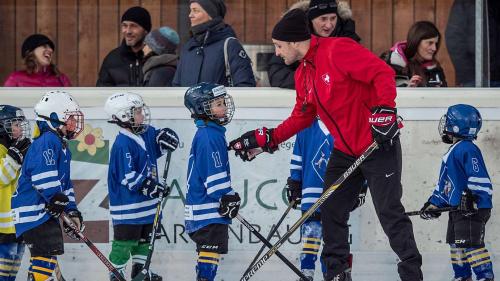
(438,210)
(311,210)
(271,233)
(156,223)
(58,273)
(91,245)
(269,245)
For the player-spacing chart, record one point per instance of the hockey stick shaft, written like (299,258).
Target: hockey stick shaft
(91,245)
(438,210)
(311,210)
(269,245)
(271,233)
(156,223)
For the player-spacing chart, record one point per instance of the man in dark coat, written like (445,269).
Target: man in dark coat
(122,67)
(203,57)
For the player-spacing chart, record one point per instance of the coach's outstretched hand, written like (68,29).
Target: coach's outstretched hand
(252,143)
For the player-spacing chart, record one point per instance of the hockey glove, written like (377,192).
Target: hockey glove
(77,219)
(57,204)
(468,206)
(152,188)
(261,137)
(427,212)
(293,191)
(384,125)
(229,205)
(167,139)
(360,201)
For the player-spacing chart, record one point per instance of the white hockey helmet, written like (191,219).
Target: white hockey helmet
(59,109)
(128,110)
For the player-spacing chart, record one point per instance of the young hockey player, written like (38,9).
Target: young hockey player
(211,202)
(133,181)
(14,143)
(311,152)
(463,183)
(44,188)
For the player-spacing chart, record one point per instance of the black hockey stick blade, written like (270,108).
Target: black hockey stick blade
(269,245)
(271,233)
(92,247)
(258,264)
(438,210)
(156,223)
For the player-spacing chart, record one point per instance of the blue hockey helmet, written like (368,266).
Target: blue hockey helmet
(201,100)
(462,121)
(13,123)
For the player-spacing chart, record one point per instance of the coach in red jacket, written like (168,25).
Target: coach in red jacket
(354,94)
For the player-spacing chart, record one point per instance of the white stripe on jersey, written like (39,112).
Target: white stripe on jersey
(213,215)
(215,177)
(133,215)
(309,200)
(203,206)
(133,205)
(48,185)
(44,175)
(296,157)
(5,215)
(29,208)
(480,188)
(312,190)
(22,219)
(295,167)
(6,224)
(219,186)
(479,180)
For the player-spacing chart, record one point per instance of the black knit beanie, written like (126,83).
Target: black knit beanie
(33,41)
(293,27)
(138,15)
(320,7)
(214,8)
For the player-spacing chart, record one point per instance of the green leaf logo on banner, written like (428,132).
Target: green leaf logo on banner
(90,146)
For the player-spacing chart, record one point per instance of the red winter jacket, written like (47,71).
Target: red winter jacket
(38,79)
(341,81)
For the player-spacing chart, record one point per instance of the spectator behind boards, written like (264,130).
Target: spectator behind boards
(327,18)
(212,54)
(39,69)
(122,67)
(160,58)
(414,60)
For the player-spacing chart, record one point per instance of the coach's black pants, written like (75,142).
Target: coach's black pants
(382,170)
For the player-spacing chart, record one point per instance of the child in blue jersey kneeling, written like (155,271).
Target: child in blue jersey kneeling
(463,183)
(211,202)
(44,188)
(133,181)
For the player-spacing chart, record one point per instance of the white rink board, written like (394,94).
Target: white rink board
(264,178)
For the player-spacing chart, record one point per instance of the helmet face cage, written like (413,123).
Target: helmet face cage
(221,118)
(132,112)
(16,126)
(74,123)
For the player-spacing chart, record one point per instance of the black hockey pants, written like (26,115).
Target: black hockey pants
(382,170)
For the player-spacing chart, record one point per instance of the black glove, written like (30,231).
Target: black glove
(259,138)
(384,125)
(74,214)
(19,149)
(229,205)
(293,191)
(468,206)
(426,212)
(167,139)
(152,188)
(57,204)
(361,197)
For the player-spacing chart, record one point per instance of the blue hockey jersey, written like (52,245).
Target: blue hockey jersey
(208,177)
(462,167)
(311,152)
(132,159)
(45,171)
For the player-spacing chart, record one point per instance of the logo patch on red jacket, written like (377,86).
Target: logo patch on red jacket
(326,78)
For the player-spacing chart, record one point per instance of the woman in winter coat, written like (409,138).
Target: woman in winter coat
(203,58)
(160,59)
(37,51)
(327,18)
(414,60)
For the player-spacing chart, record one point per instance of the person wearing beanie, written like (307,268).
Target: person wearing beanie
(326,18)
(122,67)
(160,57)
(212,54)
(353,92)
(39,70)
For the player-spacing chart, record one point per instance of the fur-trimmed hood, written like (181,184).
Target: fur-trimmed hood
(343,8)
